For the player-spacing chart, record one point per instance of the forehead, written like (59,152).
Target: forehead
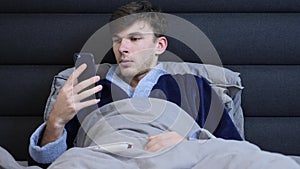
(136,27)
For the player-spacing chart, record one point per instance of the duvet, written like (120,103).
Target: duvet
(133,120)
(114,136)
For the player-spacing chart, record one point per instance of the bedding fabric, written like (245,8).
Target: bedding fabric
(133,120)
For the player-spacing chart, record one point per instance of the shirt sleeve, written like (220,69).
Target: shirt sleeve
(200,134)
(49,152)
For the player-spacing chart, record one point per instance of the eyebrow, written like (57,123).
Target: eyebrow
(136,33)
(133,34)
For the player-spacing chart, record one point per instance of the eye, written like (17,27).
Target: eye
(116,40)
(135,38)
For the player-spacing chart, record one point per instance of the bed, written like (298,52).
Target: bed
(258,39)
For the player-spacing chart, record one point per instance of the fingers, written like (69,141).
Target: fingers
(81,105)
(70,96)
(72,80)
(79,97)
(77,72)
(86,83)
(157,143)
(75,88)
(164,140)
(153,145)
(85,94)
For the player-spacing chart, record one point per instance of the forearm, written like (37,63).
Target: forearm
(53,131)
(49,152)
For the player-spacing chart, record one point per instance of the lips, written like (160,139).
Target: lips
(125,62)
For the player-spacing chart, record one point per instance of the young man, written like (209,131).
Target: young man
(137,43)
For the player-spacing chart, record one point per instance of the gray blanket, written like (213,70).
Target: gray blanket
(114,137)
(102,136)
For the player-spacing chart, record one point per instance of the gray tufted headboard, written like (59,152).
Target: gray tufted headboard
(258,38)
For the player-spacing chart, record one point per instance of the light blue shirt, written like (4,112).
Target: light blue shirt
(144,86)
(51,151)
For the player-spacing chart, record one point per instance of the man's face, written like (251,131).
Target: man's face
(135,49)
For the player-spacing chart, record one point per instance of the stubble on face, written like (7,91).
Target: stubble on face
(136,57)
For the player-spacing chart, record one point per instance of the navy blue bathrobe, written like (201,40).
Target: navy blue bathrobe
(192,93)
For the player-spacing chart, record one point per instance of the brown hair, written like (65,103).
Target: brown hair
(126,15)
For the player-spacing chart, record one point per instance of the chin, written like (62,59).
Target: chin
(127,73)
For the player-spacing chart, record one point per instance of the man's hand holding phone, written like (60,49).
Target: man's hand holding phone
(77,93)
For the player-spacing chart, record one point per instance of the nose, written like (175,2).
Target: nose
(124,46)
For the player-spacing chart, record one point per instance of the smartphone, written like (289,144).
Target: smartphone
(88,59)
(90,71)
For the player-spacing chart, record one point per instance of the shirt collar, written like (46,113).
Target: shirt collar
(144,86)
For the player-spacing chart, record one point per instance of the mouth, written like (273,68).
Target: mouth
(125,62)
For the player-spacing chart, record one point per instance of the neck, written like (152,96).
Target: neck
(134,81)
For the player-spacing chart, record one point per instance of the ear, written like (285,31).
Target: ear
(162,44)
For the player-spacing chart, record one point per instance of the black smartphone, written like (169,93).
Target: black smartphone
(90,71)
(88,59)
